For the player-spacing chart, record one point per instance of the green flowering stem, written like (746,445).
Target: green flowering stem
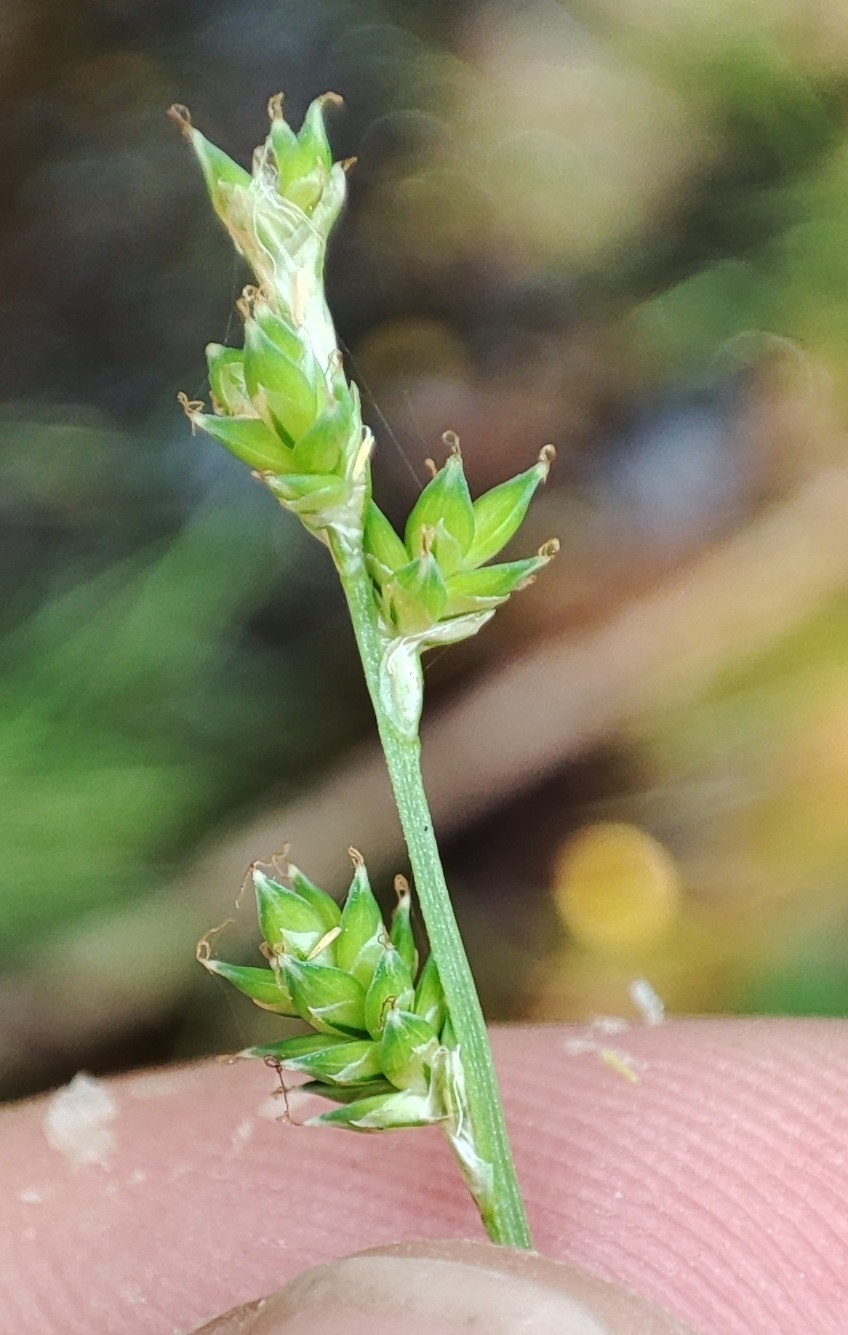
(501,1206)
(282,404)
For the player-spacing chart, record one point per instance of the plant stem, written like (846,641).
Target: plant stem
(502,1209)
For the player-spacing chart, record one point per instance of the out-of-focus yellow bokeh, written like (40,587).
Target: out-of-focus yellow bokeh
(616,889)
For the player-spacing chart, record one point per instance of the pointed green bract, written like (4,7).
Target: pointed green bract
(446,548)
(429,1000)
(416,595)
(278,333)
(382,544)
(293,1049)
(447,1035)
(477,590)
(283,395)
(499,514)
(326,212)
(408,1046)
(445,500)
(320,449)
(221,174)
(312,136)
(360,943)
(355,1062)
(263,986)
(391,986)
(283,141)
(348,1093)
(324,905)
(401,933)
(289,923)
(385,1112)
(454,629)
(319,500)
(226,380)
(329,999)
(303,160)
(248,438)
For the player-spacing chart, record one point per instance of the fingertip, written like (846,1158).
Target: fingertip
(451,1286)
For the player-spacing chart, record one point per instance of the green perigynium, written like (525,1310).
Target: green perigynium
(391,1044)
(382,1048)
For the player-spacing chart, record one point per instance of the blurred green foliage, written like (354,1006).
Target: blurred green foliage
(136,707)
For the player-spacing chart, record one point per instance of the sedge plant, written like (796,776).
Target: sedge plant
(390,1044)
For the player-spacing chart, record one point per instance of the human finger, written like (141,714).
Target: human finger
(450,1287)
(699,1163)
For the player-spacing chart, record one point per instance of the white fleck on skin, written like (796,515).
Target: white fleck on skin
(242,1134)
(582,1043)
(274,1242)
(610,1024)
(132,1296)
(31,1196)
(77,1121)
(647,1002)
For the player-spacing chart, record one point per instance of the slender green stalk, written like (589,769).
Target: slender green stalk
(503,1213)
(390,1051)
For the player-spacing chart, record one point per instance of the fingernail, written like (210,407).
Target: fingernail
(449,1287)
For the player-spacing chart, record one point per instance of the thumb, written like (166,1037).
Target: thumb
(449,1287)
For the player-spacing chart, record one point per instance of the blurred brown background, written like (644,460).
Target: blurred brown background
(621,227)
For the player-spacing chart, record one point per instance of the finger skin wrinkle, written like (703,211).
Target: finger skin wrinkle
(735,1162)
(191,1219)
(716,1186)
